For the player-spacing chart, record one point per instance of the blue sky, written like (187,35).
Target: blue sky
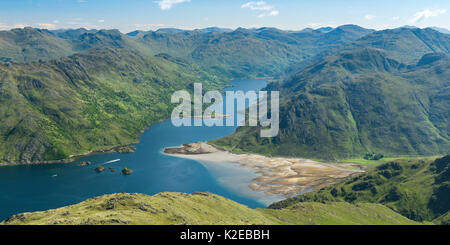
(128,15)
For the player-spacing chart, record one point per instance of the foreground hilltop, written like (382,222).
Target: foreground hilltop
(400,192)
(203,209)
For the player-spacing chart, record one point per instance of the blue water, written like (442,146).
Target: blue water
(42,187)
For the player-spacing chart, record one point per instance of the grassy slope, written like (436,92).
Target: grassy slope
(92,101)
(205,209)
(418,189)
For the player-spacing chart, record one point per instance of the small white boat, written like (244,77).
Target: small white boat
(112,161)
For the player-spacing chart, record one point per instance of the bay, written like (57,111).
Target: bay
(42,187)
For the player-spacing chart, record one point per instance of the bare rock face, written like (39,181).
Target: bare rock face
(192,149)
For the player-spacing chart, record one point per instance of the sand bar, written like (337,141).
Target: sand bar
(280,176)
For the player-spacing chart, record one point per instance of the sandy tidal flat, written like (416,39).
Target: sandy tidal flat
(275,175)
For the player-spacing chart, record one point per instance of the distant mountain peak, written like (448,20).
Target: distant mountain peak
(241,29)
(325,29)
(135,33)
(214,29)
(408,27)
(169,30)
(350,27)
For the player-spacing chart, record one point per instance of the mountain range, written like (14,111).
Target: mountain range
(345,91)
(70,92)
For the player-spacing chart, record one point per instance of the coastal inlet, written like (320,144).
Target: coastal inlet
(44,187)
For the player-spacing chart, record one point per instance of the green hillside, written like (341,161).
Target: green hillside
(356,102)
(418,189)
(87,102)
(204,209)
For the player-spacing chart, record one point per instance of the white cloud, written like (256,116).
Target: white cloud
(168,4)
(101,21)
(76,23)
(13,26)
(427,13)
(395,18)
(274,13)
(369,17)
(262,15)
(261,6)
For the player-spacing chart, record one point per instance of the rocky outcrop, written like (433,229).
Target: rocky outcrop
(126,171)
(100,169)
(192,149)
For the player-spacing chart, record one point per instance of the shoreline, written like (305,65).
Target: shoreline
(74,158)
(285,177)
